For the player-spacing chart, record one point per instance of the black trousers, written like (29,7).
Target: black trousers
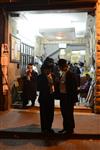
(67,111)
(47,112)
(26,98)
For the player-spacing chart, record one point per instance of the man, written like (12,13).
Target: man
(46,98)
(29,85)
(68,96)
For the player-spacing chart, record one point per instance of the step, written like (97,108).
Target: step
(79,108)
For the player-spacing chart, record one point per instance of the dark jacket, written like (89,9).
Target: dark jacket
(71,86)
(43,87)
(29,86)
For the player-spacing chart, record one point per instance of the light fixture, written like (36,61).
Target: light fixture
(62,52)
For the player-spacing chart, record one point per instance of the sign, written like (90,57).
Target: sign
(15,49)
(4,55)
(4,63)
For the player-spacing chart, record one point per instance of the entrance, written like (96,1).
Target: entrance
(34,36)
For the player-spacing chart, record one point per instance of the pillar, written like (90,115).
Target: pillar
(3,39)
(97,90)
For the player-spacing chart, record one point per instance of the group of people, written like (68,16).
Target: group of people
(84,81)
(49,85)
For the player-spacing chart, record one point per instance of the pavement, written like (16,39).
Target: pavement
(23,126)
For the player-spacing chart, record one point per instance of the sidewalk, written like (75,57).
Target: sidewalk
(28,121)
(20,129)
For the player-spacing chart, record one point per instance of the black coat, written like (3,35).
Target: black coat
(29,86)
(71,86)
(43,87)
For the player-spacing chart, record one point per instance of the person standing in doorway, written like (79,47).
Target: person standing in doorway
(68,97)
(46,98)
(29,85)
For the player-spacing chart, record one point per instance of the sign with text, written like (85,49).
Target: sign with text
(15,49)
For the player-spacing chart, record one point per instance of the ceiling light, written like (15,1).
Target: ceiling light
(62,45)
(58,37)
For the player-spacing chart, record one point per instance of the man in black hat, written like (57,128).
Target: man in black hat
(46,98)
(68,96)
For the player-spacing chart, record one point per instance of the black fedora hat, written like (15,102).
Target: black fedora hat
(62,62)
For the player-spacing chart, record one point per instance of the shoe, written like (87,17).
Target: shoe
(66,131)
(61,131)
(51,131)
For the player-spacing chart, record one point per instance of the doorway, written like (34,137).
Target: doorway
(55,34)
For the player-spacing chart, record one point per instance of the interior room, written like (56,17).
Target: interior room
(55,34)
